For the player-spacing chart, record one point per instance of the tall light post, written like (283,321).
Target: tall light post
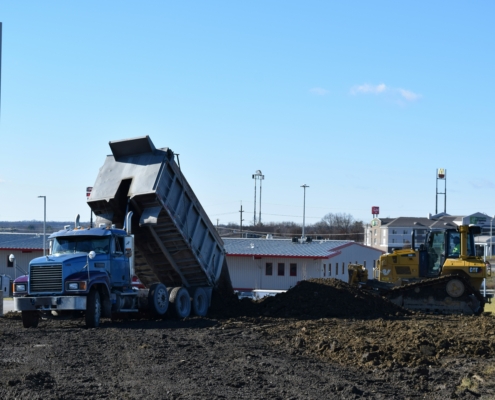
(304,210)
(256,176)
(44,224)
(491,238)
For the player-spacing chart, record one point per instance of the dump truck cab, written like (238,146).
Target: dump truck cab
(81,262)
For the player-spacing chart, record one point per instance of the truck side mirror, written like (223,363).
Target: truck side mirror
(128,252)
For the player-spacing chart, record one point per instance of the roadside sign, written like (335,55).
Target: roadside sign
(375,210)
(88,192)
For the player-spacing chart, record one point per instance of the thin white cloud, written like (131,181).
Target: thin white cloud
(482,184)
(318,91)
(367,88)
(403,94)
(408,95)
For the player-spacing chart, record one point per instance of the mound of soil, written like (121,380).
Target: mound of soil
(310,299)
(328,298)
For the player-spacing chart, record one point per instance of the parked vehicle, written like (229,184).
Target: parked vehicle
(173,248)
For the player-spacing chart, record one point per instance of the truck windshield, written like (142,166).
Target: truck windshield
(81,244)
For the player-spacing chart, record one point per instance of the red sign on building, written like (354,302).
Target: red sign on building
(88,192)
(375,210)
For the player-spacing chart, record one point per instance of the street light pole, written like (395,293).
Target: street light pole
(491,238)
(304,210)
(44,224)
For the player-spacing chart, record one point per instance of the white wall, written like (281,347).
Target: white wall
(22,260)
(249,273)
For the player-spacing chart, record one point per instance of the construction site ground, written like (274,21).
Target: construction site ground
(321,339)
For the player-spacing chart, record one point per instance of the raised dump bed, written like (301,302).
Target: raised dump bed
(175,242)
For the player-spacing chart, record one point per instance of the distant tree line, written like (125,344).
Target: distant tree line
(35,226)
(339,226)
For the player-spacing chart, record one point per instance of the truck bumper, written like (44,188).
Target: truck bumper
(50,303)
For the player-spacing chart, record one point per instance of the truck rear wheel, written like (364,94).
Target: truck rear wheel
(158,299)
(200,302)
(93,309)
(181,301)
(30,319)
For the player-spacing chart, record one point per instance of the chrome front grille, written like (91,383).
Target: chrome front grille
(45,279)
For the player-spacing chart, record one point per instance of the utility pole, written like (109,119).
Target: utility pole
(241,218)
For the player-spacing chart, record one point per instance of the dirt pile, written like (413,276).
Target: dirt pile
(310,299)
(327,298)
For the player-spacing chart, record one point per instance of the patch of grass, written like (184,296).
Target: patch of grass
(490,307)
(468,383)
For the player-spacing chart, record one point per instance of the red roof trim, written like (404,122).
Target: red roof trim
(337,253)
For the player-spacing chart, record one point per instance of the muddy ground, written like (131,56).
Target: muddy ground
(322,339)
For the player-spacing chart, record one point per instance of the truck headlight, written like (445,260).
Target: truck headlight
(76,285)
(488,268)
(20,287)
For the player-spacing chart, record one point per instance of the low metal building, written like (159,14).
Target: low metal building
(24,246)
(279,264)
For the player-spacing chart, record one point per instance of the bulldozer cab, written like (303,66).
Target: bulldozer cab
(432,256)
(440,246)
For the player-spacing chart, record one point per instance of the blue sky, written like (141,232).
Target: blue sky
(360,100)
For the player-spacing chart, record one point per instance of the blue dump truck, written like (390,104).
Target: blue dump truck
(149,225)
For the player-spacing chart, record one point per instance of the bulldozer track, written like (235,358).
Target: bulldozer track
(434,290)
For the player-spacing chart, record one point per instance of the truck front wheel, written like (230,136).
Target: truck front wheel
(93,309)
(30,319)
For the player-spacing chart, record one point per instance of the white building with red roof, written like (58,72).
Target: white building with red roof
(279,264)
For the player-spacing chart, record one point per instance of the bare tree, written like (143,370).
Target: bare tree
(342,226)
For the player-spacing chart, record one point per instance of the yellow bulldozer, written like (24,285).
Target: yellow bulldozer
(443,275)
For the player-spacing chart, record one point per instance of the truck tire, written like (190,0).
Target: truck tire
(158,299)
(30,319)
(181,301)
(200,302)
(93,309)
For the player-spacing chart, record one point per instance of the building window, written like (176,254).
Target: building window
(9,263)
(324,270)
(269,269)
(405,232)
(374,241)
(393,240)
(281,269)
(364,263)
(343,266)
(329,269)
(336,269)
(293,269)
(394,231)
